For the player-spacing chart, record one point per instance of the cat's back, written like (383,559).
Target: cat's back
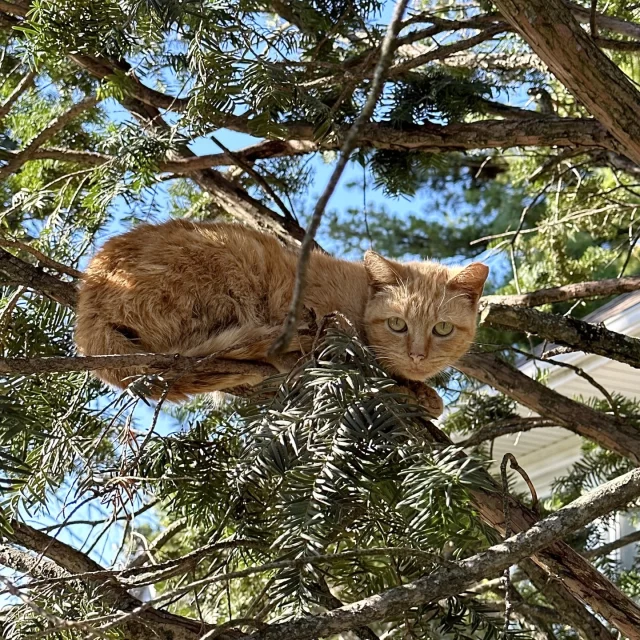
(176,248)
(182,278)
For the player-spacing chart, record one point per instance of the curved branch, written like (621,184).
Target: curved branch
(565,330)
(54,127)
(577,291)
(605,430)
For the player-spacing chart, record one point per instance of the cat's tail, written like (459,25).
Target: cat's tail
(95,336)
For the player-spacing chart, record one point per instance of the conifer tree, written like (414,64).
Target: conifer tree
(325,502)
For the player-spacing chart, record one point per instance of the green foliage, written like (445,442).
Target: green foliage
(437,93)
(336,460)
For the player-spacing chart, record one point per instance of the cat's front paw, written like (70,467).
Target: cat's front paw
(425,396)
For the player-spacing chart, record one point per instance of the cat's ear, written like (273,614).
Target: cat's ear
(380,271)
(470,280)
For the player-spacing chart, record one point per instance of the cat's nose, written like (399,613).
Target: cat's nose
(417,357)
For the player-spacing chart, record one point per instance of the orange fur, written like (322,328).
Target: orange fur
(202,288)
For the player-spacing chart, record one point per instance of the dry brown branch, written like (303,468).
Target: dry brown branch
(444,51)
(565,330)
(14,271)
(606,430)
(606,549)
(554,34)
(577,291)
(505,427)
(573,612)
(41,257)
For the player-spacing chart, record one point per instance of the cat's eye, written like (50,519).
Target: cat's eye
(443,329)
(397,324)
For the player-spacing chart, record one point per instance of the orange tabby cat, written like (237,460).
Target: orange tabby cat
(198,289)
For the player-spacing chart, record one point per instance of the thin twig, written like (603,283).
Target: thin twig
(592,19)
(243,164)
(506,576)
(386,54)
(25,82)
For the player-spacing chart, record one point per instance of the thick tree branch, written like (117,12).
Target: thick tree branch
(553,33)
(540,131)
(577,291)
(164,625)
(30,564)
(572,611)
(520,128)
(150,361)
(14,271)
(605,430)
(456,577)
(565,330)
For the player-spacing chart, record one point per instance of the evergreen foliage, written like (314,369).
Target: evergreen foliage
(459,162)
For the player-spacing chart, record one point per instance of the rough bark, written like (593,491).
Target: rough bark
(605,430)
(14,271)
(565,330)
(152,362)
(554,34)
(572,611)
(576,291)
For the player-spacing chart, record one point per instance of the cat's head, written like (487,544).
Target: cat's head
(421,316)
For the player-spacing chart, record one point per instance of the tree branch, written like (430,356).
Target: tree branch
(165,625)
(565,330)
(605,430)
(577,291)
(603,21)
(25,83)
(553,33)
(572,611)
(54,127)
(503,428)
(18,272)
(606,549)
(153,362)
(456,577)
(348,146)
(519,128)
